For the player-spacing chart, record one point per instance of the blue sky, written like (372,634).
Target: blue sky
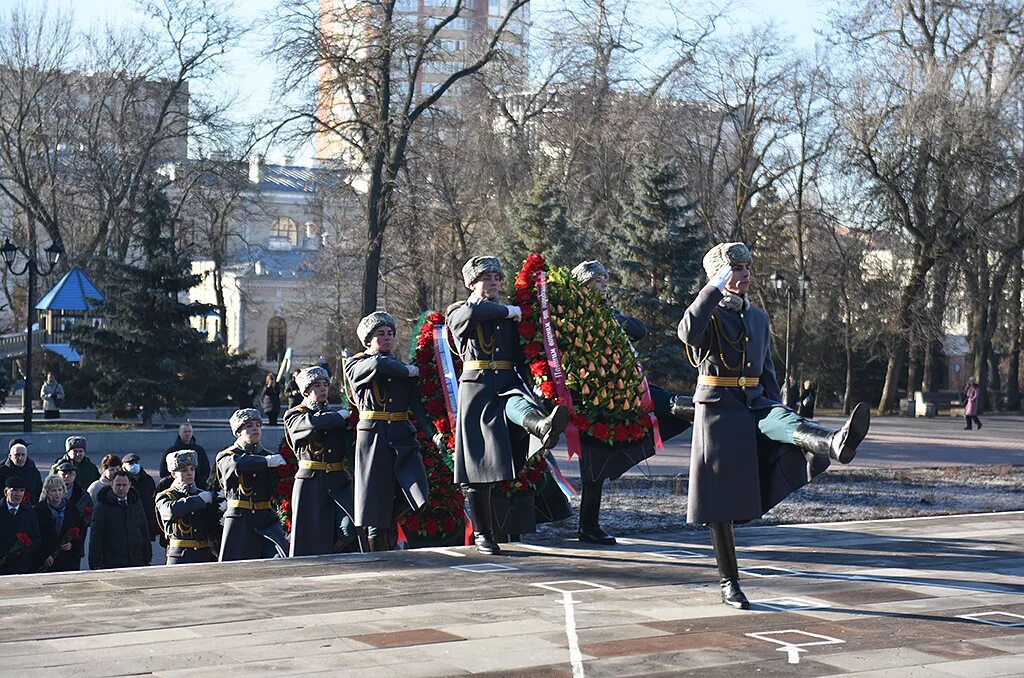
(251,80)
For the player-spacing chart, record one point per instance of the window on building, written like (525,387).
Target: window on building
(285,228)
(277,338)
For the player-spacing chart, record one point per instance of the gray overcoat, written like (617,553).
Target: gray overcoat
(248,532)
(387,453)
(185,516)
(488,448)
(736,474)
(319,434)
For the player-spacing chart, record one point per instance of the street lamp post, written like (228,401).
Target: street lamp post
(784,286)
(10,252)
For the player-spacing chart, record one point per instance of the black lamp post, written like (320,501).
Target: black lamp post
(10,253)
(784,286)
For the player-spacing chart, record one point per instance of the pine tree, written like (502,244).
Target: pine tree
(655,252)
(146,355)
(539,224)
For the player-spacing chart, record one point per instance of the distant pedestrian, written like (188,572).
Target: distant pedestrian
(186,440)
(808,399)
(19,464)
(970,398)
(52,395)
(245,395)
(109,465)
(792,394)
(271,400)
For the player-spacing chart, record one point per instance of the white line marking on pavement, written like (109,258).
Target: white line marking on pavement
(1017,620)
(483,567)
(676,554)
(535,547)
(791,648)
(575,656)
(573,586)
(794,653)
(444,552)
(883,520)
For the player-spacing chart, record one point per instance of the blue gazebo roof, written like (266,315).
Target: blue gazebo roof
(73,292)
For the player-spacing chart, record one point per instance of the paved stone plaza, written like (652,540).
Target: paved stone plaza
(916,597)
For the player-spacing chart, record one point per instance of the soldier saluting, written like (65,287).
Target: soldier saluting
(737,398)
(389,473)
(321,439)
(187,514)
(494,409)
(251,526)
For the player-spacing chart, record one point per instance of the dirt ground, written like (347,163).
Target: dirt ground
(634,505)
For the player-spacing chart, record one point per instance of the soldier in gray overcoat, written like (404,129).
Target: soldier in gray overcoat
(389,474)
(736,474)
(496,409)
(187,513)
(600,461)
(245,472)
(321,438)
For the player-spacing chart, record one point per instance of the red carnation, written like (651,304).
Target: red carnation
(636,431)
(435,318)
(283,488)
(288,525)
(443,425)
(601,431)
(533,475)
(547,389)
(449,523)
(74,533)
(24,539)
(424,355)
(539,368)
(421,436)
(527,329)
(621,433)
(646,422)
(431,526)
(435,408)
(423,341)
(428,461)
(523,295)
(428,387)
(283,471)
(413,523)
(527,310)
(88,511)
(532,350)
(580,420)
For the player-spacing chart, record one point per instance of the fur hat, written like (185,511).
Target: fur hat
(74,441)
(179,459)
(369,324)
(726,254)
(241,417)
(589,269)
(305,378)
(477,266)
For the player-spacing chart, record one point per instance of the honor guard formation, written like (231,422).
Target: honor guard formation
(360,473)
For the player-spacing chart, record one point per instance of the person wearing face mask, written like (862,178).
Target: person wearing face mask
(109,465)
(246,473)
(496,409)
(188,515)
(145,486)
(322,440)
(120,536)
(186,440)
(18,463)
(56,520)
(599,461)
(738,405)
(75,448)
(389,474)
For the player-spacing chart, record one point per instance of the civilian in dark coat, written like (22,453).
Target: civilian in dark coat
(271,400)
(57,518)
(246,473)
(120,535)
(735,474)
(146,487)
(19,464)
(186,440)
(76,496)
(496,409)
(322,441)
(17,518)
(808,399)
(389,474)
(74,451)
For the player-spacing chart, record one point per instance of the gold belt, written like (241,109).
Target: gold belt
(311,465)
(189,544)
(374,415)
(488,365)
(742,382)
(247,504)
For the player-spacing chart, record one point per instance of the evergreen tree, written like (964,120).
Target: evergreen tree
(539,224)
(655,252)
(146,355)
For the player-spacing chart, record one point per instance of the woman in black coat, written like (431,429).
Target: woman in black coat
(271,400)
(59,521)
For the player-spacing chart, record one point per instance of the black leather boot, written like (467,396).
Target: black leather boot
(379,541)
(549,428)
(480,513)
(590,508)
(728,571)
(840,445)
(682,407)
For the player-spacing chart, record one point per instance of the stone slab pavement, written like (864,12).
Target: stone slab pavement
(911,597)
